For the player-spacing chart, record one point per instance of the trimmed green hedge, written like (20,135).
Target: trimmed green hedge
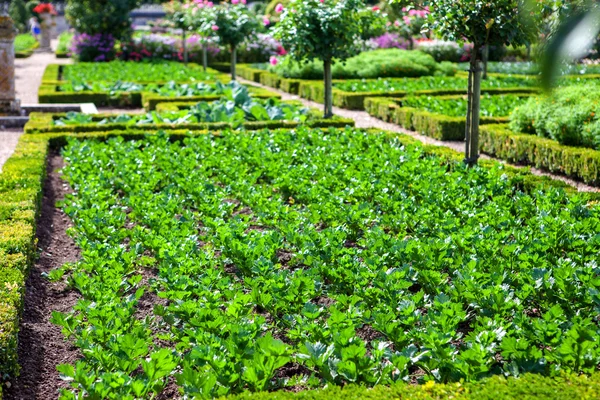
(21,182)
(526,387)
(438,126)
(577,162)
(42,123)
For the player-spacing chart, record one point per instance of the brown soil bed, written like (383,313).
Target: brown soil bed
(42,345)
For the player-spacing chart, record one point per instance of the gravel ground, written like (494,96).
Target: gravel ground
(29,72)
(364,120)
(28,77)
(8,142)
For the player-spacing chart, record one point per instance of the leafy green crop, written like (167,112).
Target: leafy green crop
(171,89)
(491,106)
(236,108)
(135,72)
(433,83)
(345,256)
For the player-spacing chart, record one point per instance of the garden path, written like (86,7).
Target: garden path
(364,120)
(28,77)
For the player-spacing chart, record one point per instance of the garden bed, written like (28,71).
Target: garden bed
(176,112)
(580,163)
(441,117)
(290,254)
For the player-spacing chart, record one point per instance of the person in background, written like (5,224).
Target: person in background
(35,28)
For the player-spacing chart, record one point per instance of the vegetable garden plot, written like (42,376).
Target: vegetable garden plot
(303,258)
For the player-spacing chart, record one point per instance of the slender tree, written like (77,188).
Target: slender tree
(326,30)
(482,23)
(233,23)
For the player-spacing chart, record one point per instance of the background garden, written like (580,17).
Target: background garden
(223,223)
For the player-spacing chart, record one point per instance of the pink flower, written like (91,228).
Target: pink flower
(397,23)
(375,8)
(243,1)
(273,60)
(281,51)
(322,1)
(279,8)
(406,20)
(209,4)
(235,1)
(215,28)
(266,21)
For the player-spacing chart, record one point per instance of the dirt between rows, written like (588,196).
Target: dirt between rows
(42,346)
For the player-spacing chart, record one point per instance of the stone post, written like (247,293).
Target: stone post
(46,26)
(8,102)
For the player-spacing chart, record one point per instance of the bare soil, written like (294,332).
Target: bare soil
(42,345)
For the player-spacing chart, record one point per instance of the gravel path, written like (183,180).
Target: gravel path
(364,120)
(29,72)
(8,142)
(28,77)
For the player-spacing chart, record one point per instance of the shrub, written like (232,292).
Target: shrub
(442,50)
(370,64)
(96,47)
(18,12)
(106,17)
(569,116)
(389,40)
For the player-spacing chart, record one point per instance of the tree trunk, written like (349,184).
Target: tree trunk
(328,100)
(472,122)
(204,55)
(233,61)
(185,52)
(528,46)
(486,55)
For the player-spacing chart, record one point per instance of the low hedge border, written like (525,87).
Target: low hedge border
(577,162)
(42,123)
(438,126)
(21,183)
(525,387)
(356,100)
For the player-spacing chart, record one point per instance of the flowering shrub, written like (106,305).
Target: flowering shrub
(389,40)
(167,47)
(98,47)
(44,8)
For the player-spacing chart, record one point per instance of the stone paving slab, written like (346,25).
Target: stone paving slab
(8,142)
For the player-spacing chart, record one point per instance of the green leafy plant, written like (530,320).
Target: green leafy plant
(322,253)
